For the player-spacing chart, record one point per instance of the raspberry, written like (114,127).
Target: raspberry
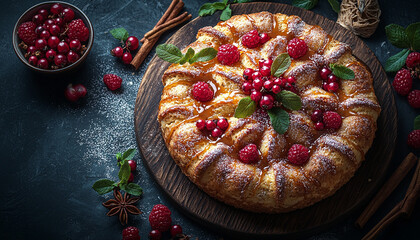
(251,39)
(112,81)
(228,54)
(414,98)
(26,32)
(160,218)
(413,139)
(331,120)
(297,48)
(249,154)
(78,30)
(298,154)
(403,82)
(202,92)
(413,60)
(131,233)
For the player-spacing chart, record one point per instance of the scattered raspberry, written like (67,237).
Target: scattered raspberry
(160,218)
(131,233)
(26,32)
(414,98)
(112,81)
(413,139)
(251,39)
(249,154)
(202,92)
(331,120)
(403,82)
(298,154)
(413,60)
(78,30)
(228,54)
(297,48)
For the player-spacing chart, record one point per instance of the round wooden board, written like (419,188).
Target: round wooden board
(203,208)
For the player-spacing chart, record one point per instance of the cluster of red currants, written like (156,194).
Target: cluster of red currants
(330,81)
(259,84)
(131,44)
(215,127)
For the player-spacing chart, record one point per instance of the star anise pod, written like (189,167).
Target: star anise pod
(122,205)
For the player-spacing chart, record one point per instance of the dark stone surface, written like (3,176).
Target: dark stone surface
(53,151)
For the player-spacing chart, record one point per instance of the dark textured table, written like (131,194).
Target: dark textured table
(53,151)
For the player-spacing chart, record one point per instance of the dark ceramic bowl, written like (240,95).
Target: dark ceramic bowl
(27,16)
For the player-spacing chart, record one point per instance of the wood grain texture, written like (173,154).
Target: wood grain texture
(239,223)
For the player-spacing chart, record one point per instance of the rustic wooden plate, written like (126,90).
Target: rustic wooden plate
(217,215)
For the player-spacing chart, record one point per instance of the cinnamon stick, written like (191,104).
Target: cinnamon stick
(167,25)
(402,209)
(402,170)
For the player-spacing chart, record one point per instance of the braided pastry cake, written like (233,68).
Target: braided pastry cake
(246,163)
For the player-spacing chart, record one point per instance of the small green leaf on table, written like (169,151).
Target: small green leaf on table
(397,36)
(396,62)
(413,33)
(133,189)
(306,4)
(335,5)
(417,123)
(103,186)
(119,33)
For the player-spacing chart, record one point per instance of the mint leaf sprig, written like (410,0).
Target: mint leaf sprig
(172,54)
(119,34)
(342,71)
(104,186)
(406,38)
(210,8)
(309,4)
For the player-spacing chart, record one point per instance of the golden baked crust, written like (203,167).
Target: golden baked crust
(272,184)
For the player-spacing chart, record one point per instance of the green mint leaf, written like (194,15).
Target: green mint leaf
(103,186)
(225,2)
(169,53)
(129,154)
(219,5)
(289,100)
(188,55)
(124,173)
(413,33)
(279,119)
(119,156)
(417,123)
(206,9)
(396,62)
(226,14)
(204,55)
(241,1)
(306,4)
(335,5)
(133,189)
(280,64)
(246,107)
(119,33)
(397,36)
(342,72)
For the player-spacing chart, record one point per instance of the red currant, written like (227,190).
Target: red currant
(56,9)
(291,79)
(50,55)
(268,85)
(133,165)
(247,87)
(38,19)
(131,178)
(43,12)
(53,41)
(217,132)
(261,63)
(256,96)
(117,52)
(48,23)
(257,84)
(155,235)
(316,116)
(222,123)
(132,43)
(248,74)
(210,125)
(264,37)
(265,71)
(63,47)
(200,124)
(42,63)
(59,22)
(39,29)
(268,63)
(72,56)
(276,89)
(68,14)
(277,81)
(256,75)
(71,93)
(324,73)
(80,90)
(40,44)
(319,126)
(54,30)
(333,86)
(31,49)
(332,78)
(126,58)
(175,230)
(33,60)
(45,34)
(267,102)
(75,45)
(60,60)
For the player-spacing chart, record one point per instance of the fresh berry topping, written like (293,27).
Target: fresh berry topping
(257,84)
(248,74)
(249,154)
(60,60)
(155,235)
(261,63)
(160,218)
(228,54)
(297,48)
(132,43)
(33,60)
(413,139)
(71,94)
(256,75)
(112,81)
(324,73)
(75,45)
(133,165)
(54,30)
(264,37)
(256,96)
(40,44)
(202,92)
(130,231)
(53,42)
(223,124)
(414,98)
(200,124)
(319,126)
(265,71)
(316,116)
(126,58)
(331,120)
(402,82)
(217,132)
(131,178)
(72,56)
(298,154)
(251,39)
(268,85)
(38,19)
(117,52)
(63,47)
(80,90)
(331,78)
(210,125)
(267,102)
(413,60)
(175,230)
(332,86)
(78,30)
(42,63)
(247,87)
(268,63)
(277,81)
(26,33)
(56,8)
(276,89)
(68,14)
